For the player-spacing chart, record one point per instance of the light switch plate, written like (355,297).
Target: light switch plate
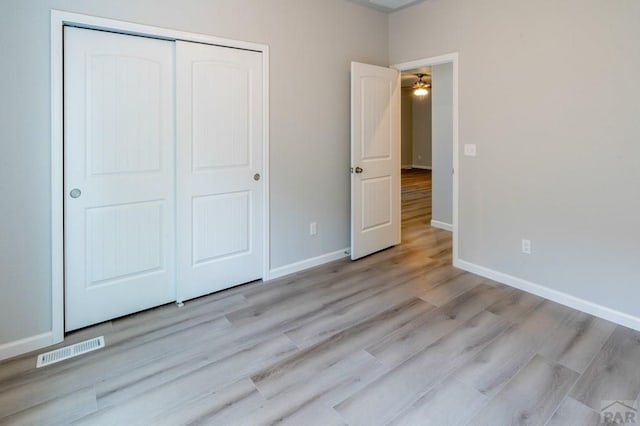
(470,150)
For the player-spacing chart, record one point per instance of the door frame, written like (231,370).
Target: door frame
(452,58)
(60,19)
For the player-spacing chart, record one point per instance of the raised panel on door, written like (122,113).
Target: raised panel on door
(118,175)
(375,159)
(219,162)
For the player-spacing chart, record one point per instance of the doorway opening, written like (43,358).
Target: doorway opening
(416,126)
(429,149)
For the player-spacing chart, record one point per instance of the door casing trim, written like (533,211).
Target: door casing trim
(60,19)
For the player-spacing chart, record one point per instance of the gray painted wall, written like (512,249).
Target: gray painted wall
(442,131)
(312,42)
(422,131)
(406,127)
(549,92)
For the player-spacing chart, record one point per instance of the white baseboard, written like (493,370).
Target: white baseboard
(23,346)
(407,167)
(307,263)
(442,225)
(553,295)
(421,167)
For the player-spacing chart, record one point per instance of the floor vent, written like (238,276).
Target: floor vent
(70,351)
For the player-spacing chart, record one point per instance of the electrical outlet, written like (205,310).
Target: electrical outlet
(526,246)
(313,228)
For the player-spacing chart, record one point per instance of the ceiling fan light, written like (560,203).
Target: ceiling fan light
(420,87)
(421,91)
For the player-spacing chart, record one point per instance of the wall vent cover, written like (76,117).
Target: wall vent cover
(70,351)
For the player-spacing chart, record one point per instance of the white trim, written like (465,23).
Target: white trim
(57,200)
(266,221)
(58,20)
(442,225)
(429,62)
(553,295)
(407,167)
(308,263)
(434,60)
(23,346)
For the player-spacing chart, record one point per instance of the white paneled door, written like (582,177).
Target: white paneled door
(375,159)
(118,175)
(219,166)
(163,156)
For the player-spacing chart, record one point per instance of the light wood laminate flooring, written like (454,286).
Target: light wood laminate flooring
(400,337)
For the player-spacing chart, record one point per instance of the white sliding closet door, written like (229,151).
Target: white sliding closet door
(219,165)
(118,175)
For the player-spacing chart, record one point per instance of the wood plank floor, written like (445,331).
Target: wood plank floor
(400,337)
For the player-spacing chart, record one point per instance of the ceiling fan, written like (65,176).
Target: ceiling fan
(420,88)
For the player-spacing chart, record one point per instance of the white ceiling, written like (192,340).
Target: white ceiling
(387,5)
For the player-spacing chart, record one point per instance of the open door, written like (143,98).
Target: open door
(375,159)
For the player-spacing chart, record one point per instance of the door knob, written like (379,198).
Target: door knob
(75,193)
(359,170)
(256,177)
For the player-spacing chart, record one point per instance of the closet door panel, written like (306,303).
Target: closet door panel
(221,116)
(118,175)
(219,162)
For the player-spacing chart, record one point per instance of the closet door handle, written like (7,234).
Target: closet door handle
(257,177)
